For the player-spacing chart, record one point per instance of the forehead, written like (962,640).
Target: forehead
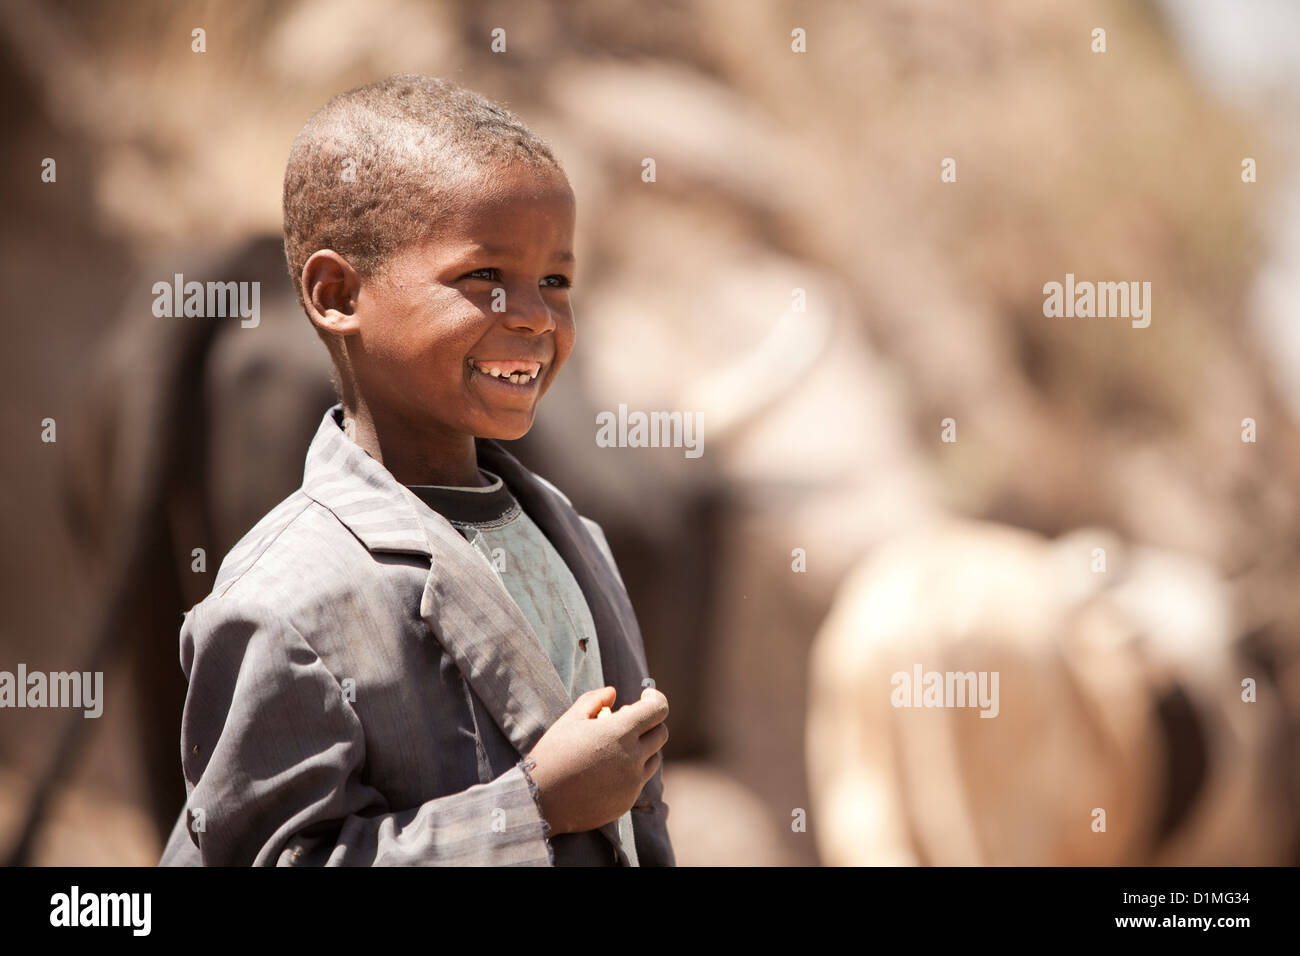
(482,199)
(512,211)
(509,210)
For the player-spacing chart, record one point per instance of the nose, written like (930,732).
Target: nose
(528,311)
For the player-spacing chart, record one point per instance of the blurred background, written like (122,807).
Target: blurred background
(828,537)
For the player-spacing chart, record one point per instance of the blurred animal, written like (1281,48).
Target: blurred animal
(1120,691)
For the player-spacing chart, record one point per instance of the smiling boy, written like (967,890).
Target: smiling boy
(418,340)
(404,661)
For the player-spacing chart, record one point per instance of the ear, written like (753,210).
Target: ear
(330,287)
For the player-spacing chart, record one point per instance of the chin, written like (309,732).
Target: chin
(504,431)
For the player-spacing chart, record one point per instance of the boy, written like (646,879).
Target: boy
(406,662)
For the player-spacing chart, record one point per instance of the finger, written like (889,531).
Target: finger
(650,710)
(653,740)
(651,767)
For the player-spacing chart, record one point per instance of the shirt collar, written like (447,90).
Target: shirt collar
(492,504)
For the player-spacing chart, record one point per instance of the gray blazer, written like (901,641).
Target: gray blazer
(362,688)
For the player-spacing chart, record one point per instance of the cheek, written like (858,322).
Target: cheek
(565,339)
(429,338)
(566,336)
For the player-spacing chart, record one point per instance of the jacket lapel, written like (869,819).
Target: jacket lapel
(612,616)
(622,666)
(468,610)
(496,649)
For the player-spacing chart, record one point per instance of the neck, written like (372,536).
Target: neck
(414,454)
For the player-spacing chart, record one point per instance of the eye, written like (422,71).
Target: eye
(492,274)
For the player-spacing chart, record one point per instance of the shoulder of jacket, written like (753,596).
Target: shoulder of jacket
(563,497)
(264,543)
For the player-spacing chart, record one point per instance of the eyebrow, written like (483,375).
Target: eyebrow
(490,250)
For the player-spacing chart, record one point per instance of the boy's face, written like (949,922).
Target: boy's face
(427,326)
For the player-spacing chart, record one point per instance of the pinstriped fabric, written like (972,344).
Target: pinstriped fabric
(277,779)
(306,606)
(250,547)
(360,491)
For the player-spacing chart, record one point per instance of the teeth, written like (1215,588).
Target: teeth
(517,378)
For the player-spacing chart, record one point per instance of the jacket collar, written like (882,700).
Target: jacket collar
(361,492)
(465,606)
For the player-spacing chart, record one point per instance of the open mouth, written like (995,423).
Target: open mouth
(517,376)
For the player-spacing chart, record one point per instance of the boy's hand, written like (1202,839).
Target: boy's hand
(589,772)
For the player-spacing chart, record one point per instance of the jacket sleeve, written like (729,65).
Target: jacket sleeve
(650,812)
(650,825)
(274,759)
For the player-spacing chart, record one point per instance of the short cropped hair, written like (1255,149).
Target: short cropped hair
(379,167)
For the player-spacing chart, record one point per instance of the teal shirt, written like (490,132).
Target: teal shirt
(536,577)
